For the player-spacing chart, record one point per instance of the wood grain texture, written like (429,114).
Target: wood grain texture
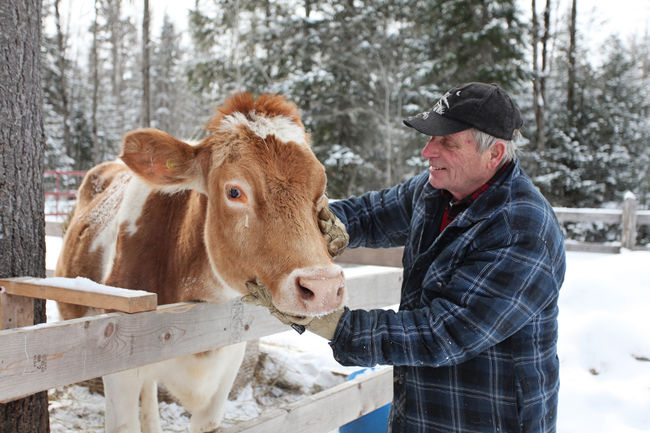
(327,410)
(128,301)
(45,356)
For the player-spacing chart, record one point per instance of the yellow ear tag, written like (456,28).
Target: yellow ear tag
(170,164)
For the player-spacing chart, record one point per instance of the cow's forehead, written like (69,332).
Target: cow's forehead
(283,127)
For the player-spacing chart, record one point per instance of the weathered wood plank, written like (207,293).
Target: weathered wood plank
(592,247)
(83,292)
(15,311)
(594,215)
(643,217)
(80,349)
(327,410)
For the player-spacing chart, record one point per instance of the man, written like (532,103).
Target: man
(473,344)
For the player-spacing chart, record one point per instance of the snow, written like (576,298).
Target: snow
(604,350)
(604,344)
(86,285)
(629,195)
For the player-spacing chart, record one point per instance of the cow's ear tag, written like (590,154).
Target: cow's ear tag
(170,164)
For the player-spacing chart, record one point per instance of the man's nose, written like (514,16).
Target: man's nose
(430,150)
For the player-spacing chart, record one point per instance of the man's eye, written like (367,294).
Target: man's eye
(234,192)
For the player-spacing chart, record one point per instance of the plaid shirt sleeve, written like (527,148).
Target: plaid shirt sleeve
(379,219)
(503,280)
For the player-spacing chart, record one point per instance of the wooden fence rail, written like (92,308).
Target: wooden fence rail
(629,218)
(40,357)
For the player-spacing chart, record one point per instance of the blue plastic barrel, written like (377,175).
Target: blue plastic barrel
(373,422)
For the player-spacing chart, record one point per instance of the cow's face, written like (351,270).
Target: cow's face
(264,189)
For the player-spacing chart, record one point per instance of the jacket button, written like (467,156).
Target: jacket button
(439,284)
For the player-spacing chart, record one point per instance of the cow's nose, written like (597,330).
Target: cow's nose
(321,292)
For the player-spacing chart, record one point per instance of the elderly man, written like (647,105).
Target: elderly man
(473,344)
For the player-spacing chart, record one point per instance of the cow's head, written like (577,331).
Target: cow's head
(264,189)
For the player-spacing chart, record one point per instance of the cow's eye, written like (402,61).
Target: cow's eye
(234,192)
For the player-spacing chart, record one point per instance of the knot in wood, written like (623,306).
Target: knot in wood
(110,328)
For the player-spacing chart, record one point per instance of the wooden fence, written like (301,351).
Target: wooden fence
(40,357)
(629,218)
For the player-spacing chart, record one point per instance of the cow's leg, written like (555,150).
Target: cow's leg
(202,383)
(149,414)
(122,391)
(209,416)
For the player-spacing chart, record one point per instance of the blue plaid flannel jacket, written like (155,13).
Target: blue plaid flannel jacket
(474,342)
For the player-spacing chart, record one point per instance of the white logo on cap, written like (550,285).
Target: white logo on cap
(442,105)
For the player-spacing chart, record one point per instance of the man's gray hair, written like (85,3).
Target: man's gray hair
(484,141)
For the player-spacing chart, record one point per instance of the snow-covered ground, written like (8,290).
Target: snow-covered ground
(604,350)
(604,344)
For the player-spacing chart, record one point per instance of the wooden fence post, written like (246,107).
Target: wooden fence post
(628,236)
(15,311)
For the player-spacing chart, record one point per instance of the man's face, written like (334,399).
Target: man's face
(456,165)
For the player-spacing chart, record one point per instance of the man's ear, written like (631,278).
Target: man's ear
(497,152)
(161,159)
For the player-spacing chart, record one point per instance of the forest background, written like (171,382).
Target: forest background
(356,68)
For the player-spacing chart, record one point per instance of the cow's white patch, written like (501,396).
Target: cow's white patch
(281,126)
(131,193)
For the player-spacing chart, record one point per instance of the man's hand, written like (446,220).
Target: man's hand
(323,326)
(334,230)
(260,295)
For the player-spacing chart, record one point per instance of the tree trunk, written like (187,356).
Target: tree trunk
(115,29)
(540,72)
(570,99)
(63,85)
(22,144)
(537,105)
(94,68)
(146,97)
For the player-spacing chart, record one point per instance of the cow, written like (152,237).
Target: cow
(196,223)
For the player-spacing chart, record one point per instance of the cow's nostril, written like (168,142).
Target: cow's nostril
(305,293)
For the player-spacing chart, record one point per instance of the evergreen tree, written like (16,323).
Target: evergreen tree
(599,150)
(470,40)
(175,108)
(55,107)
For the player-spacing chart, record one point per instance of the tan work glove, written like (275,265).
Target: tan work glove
(334,230)
(323,326)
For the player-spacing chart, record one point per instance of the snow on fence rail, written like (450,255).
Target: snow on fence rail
(39,357)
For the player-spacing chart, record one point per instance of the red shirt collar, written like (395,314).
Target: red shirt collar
(455,207)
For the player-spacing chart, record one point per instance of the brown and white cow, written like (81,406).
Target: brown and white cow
(195,223)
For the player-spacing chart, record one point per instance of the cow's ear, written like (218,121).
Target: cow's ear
(160,159)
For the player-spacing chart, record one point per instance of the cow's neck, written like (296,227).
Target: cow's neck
(160,247)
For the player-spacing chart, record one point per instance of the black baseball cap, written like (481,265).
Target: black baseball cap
(486,107)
